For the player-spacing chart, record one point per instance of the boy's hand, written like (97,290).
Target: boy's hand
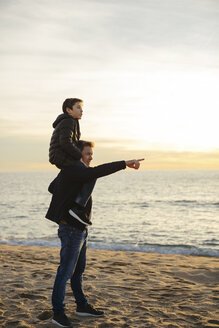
(134,163)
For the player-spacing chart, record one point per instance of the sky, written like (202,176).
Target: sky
(147,70)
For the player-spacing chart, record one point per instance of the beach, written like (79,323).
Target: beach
(135,289)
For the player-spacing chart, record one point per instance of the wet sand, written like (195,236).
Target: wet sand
(134,289)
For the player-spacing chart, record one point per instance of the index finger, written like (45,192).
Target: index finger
(141,159)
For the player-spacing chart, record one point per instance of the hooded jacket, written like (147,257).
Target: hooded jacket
(63,149)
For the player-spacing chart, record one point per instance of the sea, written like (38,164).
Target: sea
(168,211)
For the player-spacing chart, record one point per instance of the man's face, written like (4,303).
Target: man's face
(87,155)
(76,110)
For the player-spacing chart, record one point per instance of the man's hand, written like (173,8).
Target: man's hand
(134,163)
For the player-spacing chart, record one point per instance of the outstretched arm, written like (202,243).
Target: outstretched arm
(84,174)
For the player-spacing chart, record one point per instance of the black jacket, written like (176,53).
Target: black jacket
(67,185)
(63,149)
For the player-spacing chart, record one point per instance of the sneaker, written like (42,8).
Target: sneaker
(88,310)
(80,215)
(61,320)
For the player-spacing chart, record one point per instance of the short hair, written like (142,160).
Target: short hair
(69,102)
(81,144)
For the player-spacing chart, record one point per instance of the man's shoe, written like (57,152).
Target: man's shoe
(80,215)
(61,320)
(88,311)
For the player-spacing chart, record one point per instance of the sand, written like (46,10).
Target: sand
(134,289)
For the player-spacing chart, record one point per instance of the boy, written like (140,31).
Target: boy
(63,151)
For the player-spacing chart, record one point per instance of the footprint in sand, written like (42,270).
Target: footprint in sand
(90,276)
(106,325)
(45,315)
(106,270)
(119,263)
(194,317)
(31,296)
(17,285)
(215,322)
(42,274)
(146,263)
(185,281)
(115,319)
(14,323)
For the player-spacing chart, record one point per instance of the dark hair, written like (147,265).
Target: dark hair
(81,144)
(69,102)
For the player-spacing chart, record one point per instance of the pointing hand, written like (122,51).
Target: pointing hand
(134,163)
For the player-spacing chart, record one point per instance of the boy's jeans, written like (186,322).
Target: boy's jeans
(86,190)
(72,265)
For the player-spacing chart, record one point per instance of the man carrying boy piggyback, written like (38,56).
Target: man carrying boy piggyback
(71,205)
(63,152)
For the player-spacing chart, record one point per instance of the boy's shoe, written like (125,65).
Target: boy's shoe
(80,215)
(88,311)
(61,320)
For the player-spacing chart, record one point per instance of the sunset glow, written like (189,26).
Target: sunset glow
(148,75)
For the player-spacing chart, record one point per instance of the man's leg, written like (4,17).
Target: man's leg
(72,240)
(83,308)
(76,279)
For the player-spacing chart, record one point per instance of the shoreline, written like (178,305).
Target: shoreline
(135,289)
(186,250)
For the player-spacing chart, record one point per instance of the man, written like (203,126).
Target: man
(72,233)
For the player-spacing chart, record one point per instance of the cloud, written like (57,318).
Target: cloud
(56,39)
(129,60)
(103,30)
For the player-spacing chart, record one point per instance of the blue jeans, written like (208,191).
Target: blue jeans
(72,266)
(86,189)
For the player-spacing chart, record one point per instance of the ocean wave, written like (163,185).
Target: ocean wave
(186,202)
(161,249)
(139,204)
(147,248)
(32,242)
(20,216)
(211,242)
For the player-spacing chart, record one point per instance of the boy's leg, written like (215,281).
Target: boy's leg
(86,190)
(80,202)
(85,193)
(72,240)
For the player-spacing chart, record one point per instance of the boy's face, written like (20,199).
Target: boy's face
(76,110)
(87,155)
